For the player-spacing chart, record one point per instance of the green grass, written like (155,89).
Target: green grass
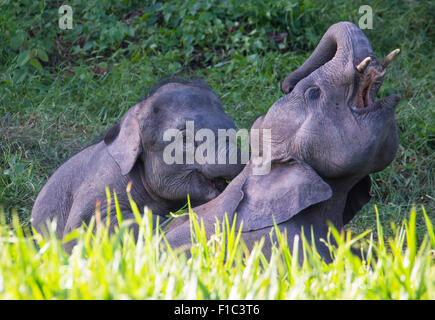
(84,79)
(118,267)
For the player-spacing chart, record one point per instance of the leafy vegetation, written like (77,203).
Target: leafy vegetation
(60,88)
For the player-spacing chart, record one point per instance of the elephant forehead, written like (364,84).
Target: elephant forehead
(184,98)
(175,110)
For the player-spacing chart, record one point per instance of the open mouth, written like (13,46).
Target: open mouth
(372,75)
(367,91)
(219,184)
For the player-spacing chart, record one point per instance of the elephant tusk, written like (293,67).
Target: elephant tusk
(363,65)
(387,60)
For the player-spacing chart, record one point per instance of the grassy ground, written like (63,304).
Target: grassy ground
(61,88)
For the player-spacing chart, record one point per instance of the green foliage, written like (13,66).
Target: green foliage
(112,28)
(103,266)
(198,32)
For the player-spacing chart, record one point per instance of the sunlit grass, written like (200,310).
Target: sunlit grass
(116,266)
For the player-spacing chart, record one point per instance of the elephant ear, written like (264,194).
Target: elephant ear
(285,191)
(357,198)
(123,142)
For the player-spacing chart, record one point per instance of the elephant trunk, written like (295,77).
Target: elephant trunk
(342,43)
(227,164)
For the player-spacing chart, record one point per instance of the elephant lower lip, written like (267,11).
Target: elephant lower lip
(366,109)
(376,105)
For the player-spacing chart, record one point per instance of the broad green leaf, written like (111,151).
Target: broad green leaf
(23,58)
(35,62)
(42,55)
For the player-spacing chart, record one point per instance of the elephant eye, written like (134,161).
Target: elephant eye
(312,93)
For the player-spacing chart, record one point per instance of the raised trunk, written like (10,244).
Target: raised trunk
(343,42)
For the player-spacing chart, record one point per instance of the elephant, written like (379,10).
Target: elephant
(133,151)
(327,134)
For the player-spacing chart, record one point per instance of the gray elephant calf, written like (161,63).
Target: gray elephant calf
(327,135)
(133,150)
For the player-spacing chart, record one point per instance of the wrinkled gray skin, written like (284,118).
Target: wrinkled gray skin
(327,135)
(132,150)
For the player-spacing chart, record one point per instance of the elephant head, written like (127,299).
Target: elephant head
(140,136)
(327,134)
(329,117)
